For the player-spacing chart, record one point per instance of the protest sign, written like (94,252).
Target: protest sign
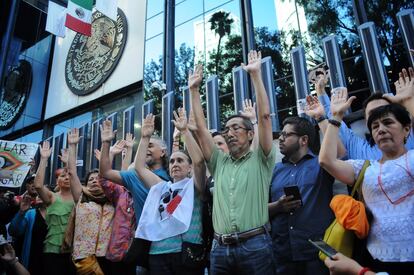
(14,162)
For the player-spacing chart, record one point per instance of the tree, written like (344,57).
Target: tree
(221,25)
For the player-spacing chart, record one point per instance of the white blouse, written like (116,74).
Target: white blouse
(391,235)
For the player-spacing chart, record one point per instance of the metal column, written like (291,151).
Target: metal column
(167,116)
(213,114)
(300,77)
(168,69)
(377,76)
(406,22)
(8,36)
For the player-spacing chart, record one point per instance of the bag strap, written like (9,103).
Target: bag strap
(360,178)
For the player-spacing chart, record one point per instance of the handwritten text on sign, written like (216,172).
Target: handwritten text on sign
(14,159)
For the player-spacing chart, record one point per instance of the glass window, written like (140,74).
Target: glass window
(154,7)
(154,26)
(34,137)
(153,69)
(187,9)
(115,109)
(223,50)
(209,5)
(308,22)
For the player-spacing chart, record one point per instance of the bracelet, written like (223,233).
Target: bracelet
(363,270)
(335,122)
(322,118)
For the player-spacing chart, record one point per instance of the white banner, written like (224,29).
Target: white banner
(14,162)
(55,22)
(108,7)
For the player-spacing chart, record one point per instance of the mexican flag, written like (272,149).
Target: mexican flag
(79,16)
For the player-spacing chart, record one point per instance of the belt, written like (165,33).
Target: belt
(232,238)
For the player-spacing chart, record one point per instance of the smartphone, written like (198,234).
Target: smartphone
(324,248)
(293,191)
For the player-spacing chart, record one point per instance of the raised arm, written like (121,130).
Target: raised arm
(404,87)
(203,135)
(105,164)
(249,110)
(176,140)
(339,169)
(264,124)
(315,110)
(148,177)
(129,145)
(194,151)
(75,184)
(45,194)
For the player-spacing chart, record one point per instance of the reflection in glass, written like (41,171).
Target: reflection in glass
(154,7)
(154,26)
(182,8)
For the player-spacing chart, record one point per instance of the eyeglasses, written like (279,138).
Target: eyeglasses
(169,195)
(286,135)
(234,129)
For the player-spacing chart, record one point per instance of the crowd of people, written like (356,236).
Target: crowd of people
(219,204)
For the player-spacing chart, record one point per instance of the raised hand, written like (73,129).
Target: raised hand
(191,125)
(249,110)
(107,134)
(25,202)
(73,136)
(129,140)
(64,156)
(176,134)
(321,80)
(180,120)
(195,78)
(97,154)
(8,255)
(117,148)
(314,108)
(147,128)
(340,102)
(45,150)
(404,87)
(255,63)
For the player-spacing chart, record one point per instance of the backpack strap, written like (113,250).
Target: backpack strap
(357,186)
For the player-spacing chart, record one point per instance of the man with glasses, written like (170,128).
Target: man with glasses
(242,177)
(294,220)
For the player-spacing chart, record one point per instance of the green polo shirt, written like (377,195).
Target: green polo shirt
(241,190)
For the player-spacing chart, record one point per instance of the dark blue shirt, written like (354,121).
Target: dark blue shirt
(291,231)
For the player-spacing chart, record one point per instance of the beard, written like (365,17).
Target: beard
(291,149)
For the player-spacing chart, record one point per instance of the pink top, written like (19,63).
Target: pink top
(124,223)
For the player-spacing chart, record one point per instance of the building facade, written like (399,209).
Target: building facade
(78,82)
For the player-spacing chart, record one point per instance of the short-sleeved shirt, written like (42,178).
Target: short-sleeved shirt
(241,190)
(291,231)
(139,192)
(93,227)
(392,228)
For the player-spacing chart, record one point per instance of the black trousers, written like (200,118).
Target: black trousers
(170,264)
(58,264)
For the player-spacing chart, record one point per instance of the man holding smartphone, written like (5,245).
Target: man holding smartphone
(300,195)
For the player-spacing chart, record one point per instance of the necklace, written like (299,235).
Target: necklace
(401,199)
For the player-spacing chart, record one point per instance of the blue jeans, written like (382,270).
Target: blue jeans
(254,256)
(311,267)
